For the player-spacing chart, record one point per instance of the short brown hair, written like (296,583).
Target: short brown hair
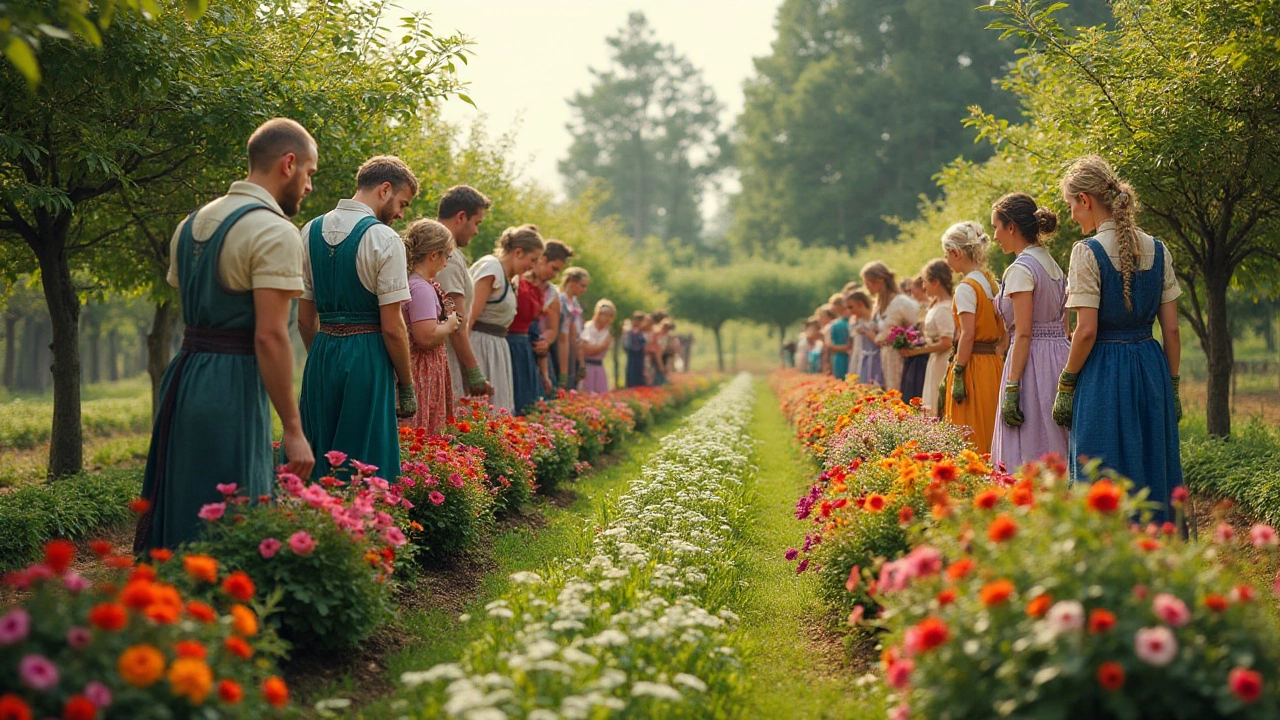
(576,274)
(557,250)
(462,198)
(860,296)
(276,138)
(386,169)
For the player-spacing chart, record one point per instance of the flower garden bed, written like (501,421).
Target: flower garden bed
(1021,595)
(634,629)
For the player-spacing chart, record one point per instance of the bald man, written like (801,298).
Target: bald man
(237,263)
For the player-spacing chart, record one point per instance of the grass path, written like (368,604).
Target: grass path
(792,671)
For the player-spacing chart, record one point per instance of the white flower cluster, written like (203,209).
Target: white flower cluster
(625,631)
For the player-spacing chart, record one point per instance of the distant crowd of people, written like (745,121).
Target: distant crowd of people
(653,350)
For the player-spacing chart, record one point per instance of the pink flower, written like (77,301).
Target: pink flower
(37,672)
(1065,616)
(394,536)
(899,673)
(1155,646)
(1275,586)
(901,712)
(379,484)
(1171,610)
(98,694)
(79,637)
(14,626)
(855,574)
(291,483)
(1263,536)
(301,543)
(212,511)
(364,470)
(436,497)
(925,561)
(268,548)
(76,582)
(456,480)
(855,616)
(335,457)
(1223,534)
(1140,592)
(314,495)
(227,488)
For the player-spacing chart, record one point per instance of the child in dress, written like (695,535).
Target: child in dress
(939,333)
(596,339)
(494,308)
(838,339)
(431,319)
(973,381)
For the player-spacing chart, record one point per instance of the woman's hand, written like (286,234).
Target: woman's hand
(453,322)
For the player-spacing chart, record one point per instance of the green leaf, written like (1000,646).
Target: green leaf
(467,99)
(24,59)
(196,8)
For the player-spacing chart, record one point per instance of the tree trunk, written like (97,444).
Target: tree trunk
(66,445)
(113,355)
(158,341)
(10,350)
(94,370)
(29,376)
(782,345)
(1219,353)
(719,349)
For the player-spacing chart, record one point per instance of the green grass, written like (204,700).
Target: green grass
(1244,467)
(72,508)
(438,636)
(106,409)
(787,675)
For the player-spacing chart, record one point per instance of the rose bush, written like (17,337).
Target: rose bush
(508,447)
(445,483)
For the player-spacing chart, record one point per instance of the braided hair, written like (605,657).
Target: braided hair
(1093,176)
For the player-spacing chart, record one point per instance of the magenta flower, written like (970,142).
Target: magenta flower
(227,488)
(37,672)
(291,483)
(456,480)
(436,497)
(212,511)
(335,457)
(98,694)
(301,543)
(1263,536)
(804,565)
(899,673)
(1171,610)
(76,582)
(268,548)
(393,536)
(79,637)
(314,495)
(14,626)
(791,554)
(364,470)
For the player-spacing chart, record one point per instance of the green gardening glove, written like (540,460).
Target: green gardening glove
(1064,402)
(1012,414)
(942,397)
(957,384)
(563,381)
(473,378)
(406,401)
(1177,399)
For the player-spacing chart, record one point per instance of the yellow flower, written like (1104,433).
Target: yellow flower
(190,678)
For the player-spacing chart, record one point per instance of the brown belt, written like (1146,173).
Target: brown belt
(984,348)
(223,342)
(489,329)
(349,329)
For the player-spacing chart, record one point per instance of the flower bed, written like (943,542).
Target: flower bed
(629,629)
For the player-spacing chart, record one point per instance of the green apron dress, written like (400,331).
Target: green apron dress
(349,385)
(214,424)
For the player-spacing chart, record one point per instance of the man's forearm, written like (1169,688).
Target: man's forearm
(397,342)
(275,364)
(461,343)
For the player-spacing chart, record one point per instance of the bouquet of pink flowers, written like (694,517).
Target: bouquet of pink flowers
(905,337)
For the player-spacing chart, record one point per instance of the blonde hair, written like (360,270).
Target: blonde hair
(424,237)
(970,240)
(576,274)
(1091,175)
(876,270)
(524,237)
(604,304)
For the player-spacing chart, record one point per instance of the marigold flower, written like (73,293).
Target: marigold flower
(995,592)
(244,621)
(275,691)
(1101,621)
(959,568)
(201,567)
(1002,529)
(110,617)
(1111,676)
(141,665)
(1103,496)
(239,586)
(1245,684)
(986,500)
(190,678)
(875,503)
(191,649)
(230,692)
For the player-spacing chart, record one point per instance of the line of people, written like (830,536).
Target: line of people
(653,350)
(1001,357)
(397,329)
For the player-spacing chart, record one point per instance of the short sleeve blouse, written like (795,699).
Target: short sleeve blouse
(1084,278)
(424,303)
(966,300)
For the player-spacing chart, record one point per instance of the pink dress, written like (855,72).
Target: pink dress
(597,379)
(430,367)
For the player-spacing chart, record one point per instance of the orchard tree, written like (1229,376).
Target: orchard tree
(709,296)
(1184,101)
(777,296)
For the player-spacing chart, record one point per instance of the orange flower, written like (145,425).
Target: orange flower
(1101,621)
(161,554)
(230,692)
(959,568)
(1104,496)
(996,592)
(1002,529)
(137,594)
(875,502)
(108,616)
(1111,676)
(239,586)
(906,514)
(986,499)
(190,678)
(1022,494)
(101,548)
(944,472)
(1215,602)
(244,621)
(238,647)
(191,649)
(140,505)
(201,612)
(1039,605)
(275,691)
(141,665)
(1149,544)
(946,597)
(143,572)
(162,614)
(201,567)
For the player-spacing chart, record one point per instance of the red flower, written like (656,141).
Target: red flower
(930,633)
(1148,544)
(108,616)
(238,647)
(996,592)
(463,426)
(201,612)
(906,514)
(1179,496)
(140,505)
(946,597)
(1104,496)
(191,649)
(1215,602)
(230,692)
(1039,605)
(275,691)
(1022,494)
(101,548)
(1245,684)
(986,499)
(161,555)
(58,555)
(1111,676)
(944,472)
(959,568)
(1101,621)
(79,707)
(239,586)
(1002,529)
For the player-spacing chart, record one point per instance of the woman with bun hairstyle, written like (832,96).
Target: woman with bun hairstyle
(1119,390)
(893,309)
(494,309)
(1032,303)
(973,380)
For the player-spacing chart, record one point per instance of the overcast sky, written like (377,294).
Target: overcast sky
(531,56)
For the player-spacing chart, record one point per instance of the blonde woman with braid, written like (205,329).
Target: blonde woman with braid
(893,309)
(973,380)
(1119,390)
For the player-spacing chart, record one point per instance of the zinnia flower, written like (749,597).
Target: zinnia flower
(38,672)
(905,514)
(244,621)
(1223,534)
(201,612)
(98,694)
(996,592)
(268,548)
(1179,496)
(944,472)
(226,488)
(791,554)
(946,597)
(855,575)
(1111,675)
(230,692)
(161,555)
(14,626)
(1002,529)
(301,543)
(141,665)
(1039,605)
(875,503)
(58,555)
(436,497)
(238,647)
(201,567)
(190,678)
(959,568)
(191,649)
(394,536)
(275,691)
(101,548)
(1101,621)
(1263,536)
(110,617)
(1022,495)
(898,676)
(1065,616)
(79,707)
(140,505)
(1245,684)
(927,635)
(79,637)
(986,499)
(13,707)
(855,615)
(1155,646)
(335,457)
(239,586)
(1215,602)
(1171,610)
(1104,496)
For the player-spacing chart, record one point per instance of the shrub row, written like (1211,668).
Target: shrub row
(71,508)
(25,425)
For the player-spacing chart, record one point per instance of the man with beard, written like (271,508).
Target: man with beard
(462,209)
(358,377)
(237,263)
